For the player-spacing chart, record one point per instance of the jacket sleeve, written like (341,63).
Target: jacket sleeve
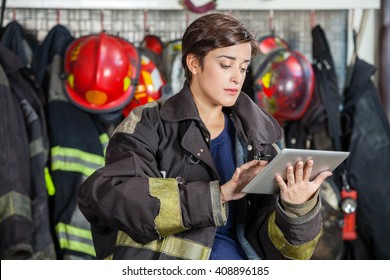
(130,194)
(282,234)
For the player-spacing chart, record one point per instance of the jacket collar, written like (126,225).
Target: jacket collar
(256,123)
(9,60)
(180,106)
(262,127)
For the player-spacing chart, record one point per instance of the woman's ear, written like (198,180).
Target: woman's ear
(193,63)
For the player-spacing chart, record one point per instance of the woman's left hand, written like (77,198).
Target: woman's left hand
(298,188)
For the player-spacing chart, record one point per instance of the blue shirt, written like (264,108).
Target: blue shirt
(226,246)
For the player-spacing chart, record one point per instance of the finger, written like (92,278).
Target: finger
(263,162)
(290,175)
(254,166)
(307,170)
(281,183)
(299,171)
(260,166)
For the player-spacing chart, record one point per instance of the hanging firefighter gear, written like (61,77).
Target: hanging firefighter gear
(172,69)
(320,128)
(149,85)
(271,42)
(77,145)
(284,84)
(14,36)
(24,215)
(102,71)
(367,136)
(152,43)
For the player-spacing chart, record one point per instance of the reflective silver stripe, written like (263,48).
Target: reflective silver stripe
(169,219)
(129,123)
(75,239)
(219,208)
(14,203)
(57,90)
(301,252)
(3,78)
(70,159)
(171,245)
(36,147)
(29,112)
(47,253)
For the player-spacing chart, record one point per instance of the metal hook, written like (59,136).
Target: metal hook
(312,18)
(271,22)
(146,25)
(102,20)
(58,16)
(187,18)
(194,160)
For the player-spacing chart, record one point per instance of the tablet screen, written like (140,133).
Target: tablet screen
(265,183)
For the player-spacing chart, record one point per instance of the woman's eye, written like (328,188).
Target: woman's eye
(242,70)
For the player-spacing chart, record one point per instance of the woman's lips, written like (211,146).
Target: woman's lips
(231,91)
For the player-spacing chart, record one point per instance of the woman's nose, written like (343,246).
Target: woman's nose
(237,76)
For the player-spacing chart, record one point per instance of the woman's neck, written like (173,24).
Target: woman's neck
(211,114)
(214,121)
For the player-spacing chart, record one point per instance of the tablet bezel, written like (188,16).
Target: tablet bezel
(265,183)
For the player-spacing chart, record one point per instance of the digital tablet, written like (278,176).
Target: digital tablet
(265,183)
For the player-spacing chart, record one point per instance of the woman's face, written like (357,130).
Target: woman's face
(220,81)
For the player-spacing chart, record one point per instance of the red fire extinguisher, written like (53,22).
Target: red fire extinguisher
(349,207)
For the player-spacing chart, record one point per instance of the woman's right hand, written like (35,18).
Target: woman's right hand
(231,190)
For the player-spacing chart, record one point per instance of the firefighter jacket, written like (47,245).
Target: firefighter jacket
(367,167)
(77,145)
(24,215)
(158,196)
(14,37)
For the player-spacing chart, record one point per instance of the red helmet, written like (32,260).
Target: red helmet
(285,86)
(268,45)
(153,43)
(271,42)
(102,71)
(149,85)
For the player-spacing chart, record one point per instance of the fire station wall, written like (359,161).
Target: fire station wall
(292,25)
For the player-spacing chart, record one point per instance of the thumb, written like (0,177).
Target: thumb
(236,175)
(321,177)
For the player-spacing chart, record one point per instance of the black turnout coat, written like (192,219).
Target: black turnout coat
(158,196)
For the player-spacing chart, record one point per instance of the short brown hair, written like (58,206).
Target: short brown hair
(214,31)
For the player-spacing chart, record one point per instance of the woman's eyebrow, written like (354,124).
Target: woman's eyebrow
(232,58)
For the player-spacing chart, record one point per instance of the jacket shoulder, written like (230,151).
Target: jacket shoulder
(149,111)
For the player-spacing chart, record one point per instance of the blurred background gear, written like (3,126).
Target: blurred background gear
(102,71)
(285,84)
(149,85)
(153,43)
